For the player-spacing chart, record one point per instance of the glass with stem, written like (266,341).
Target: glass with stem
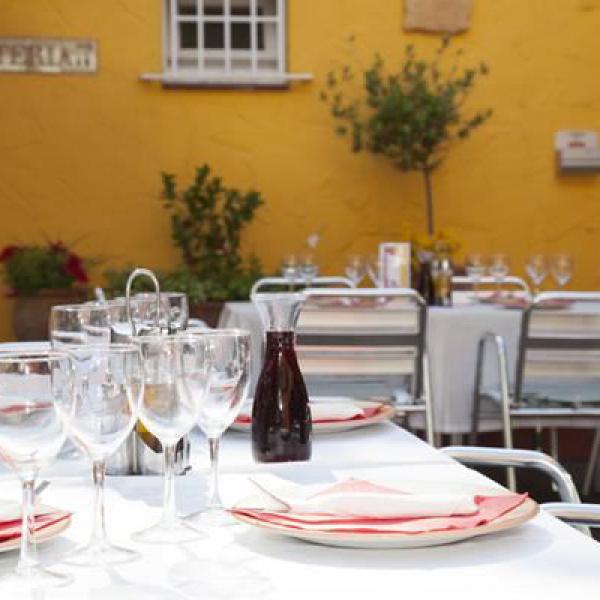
(537,269)
(108,385)
(475,269)
(228,361)
(175,382)
(290,269)
(356,268)
(498,268)
(174,310)
(308,269)
(374,270)
(562,269)
(78,324)
(32,385)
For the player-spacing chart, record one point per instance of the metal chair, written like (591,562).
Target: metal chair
(367,339)
(587,515)
(463,282)
(557,375)
(301,281)
(529,459)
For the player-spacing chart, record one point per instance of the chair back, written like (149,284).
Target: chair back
(288,282)
(463,282)
(559,349)
(366,337)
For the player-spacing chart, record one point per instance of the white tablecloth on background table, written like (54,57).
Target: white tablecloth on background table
(542,559)
(452,338)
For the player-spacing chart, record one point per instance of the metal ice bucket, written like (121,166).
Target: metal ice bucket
(141,453)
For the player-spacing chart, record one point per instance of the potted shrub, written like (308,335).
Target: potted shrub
(207,221)
(39,277)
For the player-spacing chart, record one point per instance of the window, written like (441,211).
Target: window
(225,41)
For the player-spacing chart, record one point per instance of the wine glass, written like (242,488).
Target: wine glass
(77,324)
(175,382)
(498,268)
(356,268)
(228,360)
(475,268)
(108,386)
(290,267)
(308,269)
(32,384)
(374,270)
(537,269)
(174,310)
(562,269)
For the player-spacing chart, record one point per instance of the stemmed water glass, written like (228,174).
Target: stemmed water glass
(228,360)
(108,386)
(174,310)
(77,324)
(498,268)
(32,385)
(475,268)
(356,268)
(374,270)
(308,269)
(290,268)
(562,269)
(175,382)
(537,269)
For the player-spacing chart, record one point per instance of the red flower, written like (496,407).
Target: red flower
(7,253)
(74,268)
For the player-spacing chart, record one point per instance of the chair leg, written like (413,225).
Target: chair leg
(475,419)
(428,401)
(506,421)
(477,394)
(554,450)
(554,443)
(537,438)
(592,464)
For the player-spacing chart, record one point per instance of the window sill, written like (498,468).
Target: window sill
(234,81)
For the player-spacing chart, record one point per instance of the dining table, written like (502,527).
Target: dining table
(453,334)
(452,337)
(543,558)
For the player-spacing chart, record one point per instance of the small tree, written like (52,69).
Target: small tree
(412,116)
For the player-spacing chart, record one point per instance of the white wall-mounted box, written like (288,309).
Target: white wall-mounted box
(577,151)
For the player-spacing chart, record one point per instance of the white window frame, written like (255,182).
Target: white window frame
(198,72)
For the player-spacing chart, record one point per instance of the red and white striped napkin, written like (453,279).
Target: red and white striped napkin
(330,412)
(10,519)
(358,506)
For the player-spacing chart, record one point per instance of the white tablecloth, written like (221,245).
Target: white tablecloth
(542,559)
(452,338)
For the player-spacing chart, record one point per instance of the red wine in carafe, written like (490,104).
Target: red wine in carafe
(281,422)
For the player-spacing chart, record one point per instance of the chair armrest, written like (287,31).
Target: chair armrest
(577,514)
(509,457)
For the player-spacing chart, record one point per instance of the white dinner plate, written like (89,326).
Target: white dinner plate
(385,414)
(517,516)
(46,534)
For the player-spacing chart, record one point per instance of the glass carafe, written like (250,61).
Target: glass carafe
(281,422)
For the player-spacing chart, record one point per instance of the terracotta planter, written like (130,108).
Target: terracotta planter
(209,312)
(32,311)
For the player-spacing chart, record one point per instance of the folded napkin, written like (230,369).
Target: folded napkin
(361,506)
(330,412)
(10,519)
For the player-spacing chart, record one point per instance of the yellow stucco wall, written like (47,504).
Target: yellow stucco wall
(80,155)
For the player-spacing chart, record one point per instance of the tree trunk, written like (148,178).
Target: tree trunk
(429,201)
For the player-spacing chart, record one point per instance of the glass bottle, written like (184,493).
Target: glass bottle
(441,273)
(281,421)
